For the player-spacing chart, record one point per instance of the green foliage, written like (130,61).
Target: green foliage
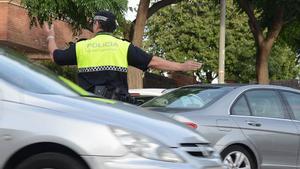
(291,35)
(176,33)
(285,65)
(282,63)
(78,13)
(190,30)
(268,8)
(240,46)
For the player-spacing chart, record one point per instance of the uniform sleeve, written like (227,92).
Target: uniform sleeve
(65,57)
(138,58)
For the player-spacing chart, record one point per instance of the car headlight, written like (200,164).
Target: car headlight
(146,147)
(208,151)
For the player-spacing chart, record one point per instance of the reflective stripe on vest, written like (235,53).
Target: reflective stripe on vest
(103,52)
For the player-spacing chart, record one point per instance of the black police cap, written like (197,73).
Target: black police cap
(106,16)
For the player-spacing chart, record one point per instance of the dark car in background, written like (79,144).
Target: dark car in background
(252,126)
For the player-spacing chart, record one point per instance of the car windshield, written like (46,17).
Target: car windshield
(189,97)
(30,77)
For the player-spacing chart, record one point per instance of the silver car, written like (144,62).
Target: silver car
(44,124)
(252,126)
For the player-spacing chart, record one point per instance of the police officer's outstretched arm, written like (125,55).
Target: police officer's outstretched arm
(51,38)
(162,64)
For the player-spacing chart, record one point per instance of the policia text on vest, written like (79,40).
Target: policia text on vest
(101,53)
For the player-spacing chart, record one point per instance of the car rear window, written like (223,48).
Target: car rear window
(190,97)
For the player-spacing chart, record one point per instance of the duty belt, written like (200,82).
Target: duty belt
(114,94)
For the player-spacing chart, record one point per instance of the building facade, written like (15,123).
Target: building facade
(16,32)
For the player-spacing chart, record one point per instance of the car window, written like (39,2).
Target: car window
(240,107)
(293,100)
(191,97)
(265,103)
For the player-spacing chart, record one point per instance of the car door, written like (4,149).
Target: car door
(269,128)
(2,130)
(293,101)
(8,106)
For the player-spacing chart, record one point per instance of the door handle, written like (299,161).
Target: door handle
(253,123)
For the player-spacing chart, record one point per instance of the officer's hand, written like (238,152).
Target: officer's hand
(190,65)
(49,29)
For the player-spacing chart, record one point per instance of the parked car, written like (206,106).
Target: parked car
(252,126)
(45,124)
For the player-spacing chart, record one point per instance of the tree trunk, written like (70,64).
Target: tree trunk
(140,23)
(262,57)
(136,33)
(263,45)
(135,79)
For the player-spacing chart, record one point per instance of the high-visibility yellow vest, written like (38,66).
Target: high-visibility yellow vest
(103,52)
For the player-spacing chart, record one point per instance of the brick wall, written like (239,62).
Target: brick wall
(176,79)
(182,79)
(3,20)
(15,31)
(156,81)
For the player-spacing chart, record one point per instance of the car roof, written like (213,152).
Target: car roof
(235,86)
(232,85)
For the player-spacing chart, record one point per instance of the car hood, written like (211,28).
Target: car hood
(113,113)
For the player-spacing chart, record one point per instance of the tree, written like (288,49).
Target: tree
(135,33)
(190,30)
(79,13)
(266,20)
(135,80)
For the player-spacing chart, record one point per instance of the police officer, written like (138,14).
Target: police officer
(103,60)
